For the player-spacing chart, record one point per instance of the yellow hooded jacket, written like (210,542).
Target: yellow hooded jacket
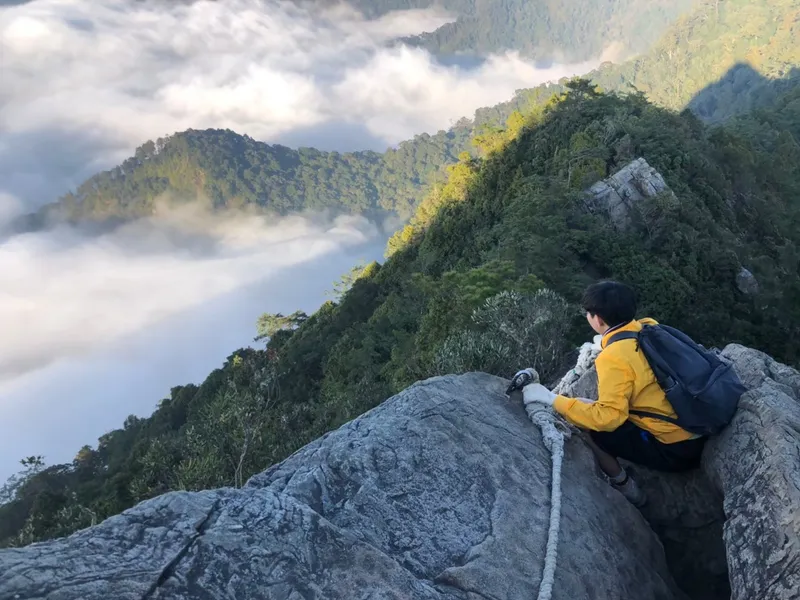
(625,381)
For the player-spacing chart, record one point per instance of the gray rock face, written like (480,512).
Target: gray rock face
(442,492)
(755,463)
(752,472)
(686,512)
(618,194)
(747,283)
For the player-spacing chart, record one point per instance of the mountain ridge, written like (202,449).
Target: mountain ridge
(545,30)
(709,82)
(229,170)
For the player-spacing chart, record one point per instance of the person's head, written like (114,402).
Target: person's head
(608,304)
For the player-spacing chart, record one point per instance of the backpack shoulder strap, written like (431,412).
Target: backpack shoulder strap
(644,413)
(634,335)
(622,335)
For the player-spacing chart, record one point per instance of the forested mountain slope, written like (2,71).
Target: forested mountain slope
(479,251)
(229,171)
(569,31)
(699,62)
(566,31)
(721,59)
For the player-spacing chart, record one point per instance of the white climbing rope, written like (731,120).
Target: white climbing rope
(553,434)
(554,431)
(586,358)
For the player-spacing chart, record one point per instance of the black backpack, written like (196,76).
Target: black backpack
(701,386)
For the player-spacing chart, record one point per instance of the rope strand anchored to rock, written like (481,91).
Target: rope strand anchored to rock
(588,353)
(553,434)
(554,431)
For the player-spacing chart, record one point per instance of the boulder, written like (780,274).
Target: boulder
(755,463)
(747,283)
(617,195)
(442,492)
(686,512)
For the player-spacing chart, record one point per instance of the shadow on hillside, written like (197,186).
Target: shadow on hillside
(460,232)
(741,90)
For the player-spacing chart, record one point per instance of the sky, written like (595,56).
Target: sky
(94,329)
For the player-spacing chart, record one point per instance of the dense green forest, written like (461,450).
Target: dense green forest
(484,277)
(229,171)
(722,59)
(566,30)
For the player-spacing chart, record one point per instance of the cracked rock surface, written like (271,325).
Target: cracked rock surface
(442,492)
(755,463)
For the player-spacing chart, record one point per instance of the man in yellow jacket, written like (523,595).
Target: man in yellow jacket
(625,382)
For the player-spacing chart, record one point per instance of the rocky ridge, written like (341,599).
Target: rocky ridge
(443,492)
(617,195)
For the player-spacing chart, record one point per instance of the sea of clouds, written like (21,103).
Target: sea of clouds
(95,328)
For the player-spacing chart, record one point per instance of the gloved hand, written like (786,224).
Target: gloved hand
(536,392)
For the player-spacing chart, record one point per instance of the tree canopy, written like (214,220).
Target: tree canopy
(549,30)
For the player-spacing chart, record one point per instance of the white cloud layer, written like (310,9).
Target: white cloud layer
(62,293)
(96,328)
(84,82)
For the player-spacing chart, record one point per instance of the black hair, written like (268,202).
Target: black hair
(612,301)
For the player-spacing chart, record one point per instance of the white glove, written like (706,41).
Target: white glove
(536,392)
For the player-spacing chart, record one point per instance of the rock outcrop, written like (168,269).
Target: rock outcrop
(755,463)
(748,491)
(442,492)
(747,283)
(686,511)
(617,195)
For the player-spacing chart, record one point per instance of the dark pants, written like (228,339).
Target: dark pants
(639,446)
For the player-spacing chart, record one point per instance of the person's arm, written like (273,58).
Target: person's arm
(614,385)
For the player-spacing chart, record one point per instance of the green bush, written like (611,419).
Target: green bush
(511,329)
